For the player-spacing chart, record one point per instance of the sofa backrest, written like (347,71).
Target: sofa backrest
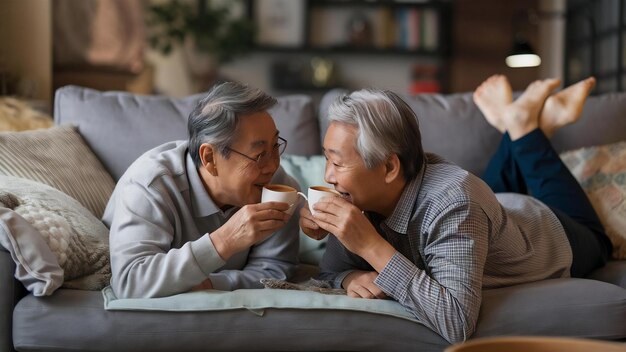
(120,126)
(453,126)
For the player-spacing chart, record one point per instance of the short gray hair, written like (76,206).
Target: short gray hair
(215,117)
(386,125)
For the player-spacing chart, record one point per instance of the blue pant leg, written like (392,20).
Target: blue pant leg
(549,180)
(502,173)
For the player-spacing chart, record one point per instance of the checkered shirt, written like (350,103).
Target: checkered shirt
(455,237)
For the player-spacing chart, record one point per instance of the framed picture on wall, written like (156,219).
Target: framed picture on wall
(280,22)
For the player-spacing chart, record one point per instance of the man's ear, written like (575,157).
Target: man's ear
(393,168)
(207,157)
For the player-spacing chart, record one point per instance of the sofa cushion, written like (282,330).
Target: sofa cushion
(36,327)
(58,157)
(453,126)
(613,272)
(602,122)
(12,292)
(53,240)
(120,126)
(296,119)
(307,171)
(601,171)
(558,307)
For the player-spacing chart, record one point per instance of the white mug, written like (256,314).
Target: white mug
(281,193)
(318,192)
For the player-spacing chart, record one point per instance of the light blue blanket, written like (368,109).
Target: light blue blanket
(256,301)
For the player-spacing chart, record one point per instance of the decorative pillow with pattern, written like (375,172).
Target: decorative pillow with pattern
(52,238)
(58,157)
(601,171)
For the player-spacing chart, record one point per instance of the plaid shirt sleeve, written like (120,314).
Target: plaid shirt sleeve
(446,295)
(338,262)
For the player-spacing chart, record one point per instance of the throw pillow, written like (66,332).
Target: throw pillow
(60,237)
(17,115)
(58,157)
(308,171)
(601,171)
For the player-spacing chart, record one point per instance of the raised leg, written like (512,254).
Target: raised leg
(526,161)
(522,116)
(492,97)
(565,107)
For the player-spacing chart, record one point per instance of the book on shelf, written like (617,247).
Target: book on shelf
(430,29)
(413,28)
(401,28)
(408,28)
(386,28)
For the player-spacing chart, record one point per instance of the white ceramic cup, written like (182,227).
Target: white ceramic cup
(281,193)
(318,192)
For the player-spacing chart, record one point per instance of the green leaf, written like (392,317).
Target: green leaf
(212,27)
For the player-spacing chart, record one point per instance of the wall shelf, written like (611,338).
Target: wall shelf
(418,30)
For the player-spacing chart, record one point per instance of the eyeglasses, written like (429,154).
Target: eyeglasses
(264,158)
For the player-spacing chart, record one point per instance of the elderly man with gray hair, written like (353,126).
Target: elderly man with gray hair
(416,228)
(186,214)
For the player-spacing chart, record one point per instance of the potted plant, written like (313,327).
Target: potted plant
(208,32)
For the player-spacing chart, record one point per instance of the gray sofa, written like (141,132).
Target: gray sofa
(118,127)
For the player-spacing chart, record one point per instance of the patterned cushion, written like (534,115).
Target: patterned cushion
(58,157)
(53,240)
(601,171)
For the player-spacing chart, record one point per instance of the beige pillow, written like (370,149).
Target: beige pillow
(17,115)
(601,171)
(58,157)
(53,240)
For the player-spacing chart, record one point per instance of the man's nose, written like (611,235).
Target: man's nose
(329,175)
(271,166)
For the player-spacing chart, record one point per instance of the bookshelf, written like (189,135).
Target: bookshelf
(401,28)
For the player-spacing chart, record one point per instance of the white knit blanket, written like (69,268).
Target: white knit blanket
(78,239)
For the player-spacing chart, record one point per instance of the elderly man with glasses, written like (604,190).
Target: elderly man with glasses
(186,215)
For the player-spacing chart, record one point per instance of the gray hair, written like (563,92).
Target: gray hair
(386,125)
(215,117)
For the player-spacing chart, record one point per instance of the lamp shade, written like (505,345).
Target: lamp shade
(522,55)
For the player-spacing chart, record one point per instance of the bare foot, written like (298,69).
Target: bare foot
(564,107)
(492,97)
(522,116)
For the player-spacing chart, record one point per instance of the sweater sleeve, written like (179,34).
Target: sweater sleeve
(143,262)
(275,257)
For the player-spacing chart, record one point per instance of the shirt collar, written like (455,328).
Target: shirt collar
(201,202)
(403,212)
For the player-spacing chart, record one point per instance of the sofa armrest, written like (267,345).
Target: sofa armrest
(11,291)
